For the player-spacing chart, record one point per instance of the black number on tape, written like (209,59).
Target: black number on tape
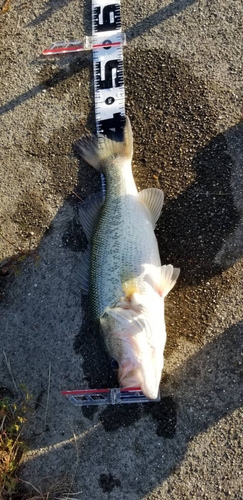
(111,18)
(111,125)
(107,82)
(106,42)
(109,100)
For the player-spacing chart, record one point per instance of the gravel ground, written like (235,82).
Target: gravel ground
(183,77)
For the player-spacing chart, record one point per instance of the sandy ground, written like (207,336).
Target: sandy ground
(183,75)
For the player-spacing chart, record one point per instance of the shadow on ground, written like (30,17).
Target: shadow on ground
(75,65)
(199,394)
(50,8)
(199,220)
(178,149)
(173,9)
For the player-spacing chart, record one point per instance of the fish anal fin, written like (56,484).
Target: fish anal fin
(153,199)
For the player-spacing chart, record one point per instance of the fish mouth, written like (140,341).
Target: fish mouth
(150,392)
(135,378)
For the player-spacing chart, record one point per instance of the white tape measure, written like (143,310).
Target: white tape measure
(108,66)
(106,42)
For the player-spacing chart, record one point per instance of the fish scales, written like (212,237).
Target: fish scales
(123,240)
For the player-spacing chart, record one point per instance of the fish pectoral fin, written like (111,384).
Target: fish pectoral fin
(129,287)
(153,199)
(132,296)
(169,275)
(89,211)
(82,270)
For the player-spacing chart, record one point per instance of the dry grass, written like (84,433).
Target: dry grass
(50,489)
(5,7)
(13,419)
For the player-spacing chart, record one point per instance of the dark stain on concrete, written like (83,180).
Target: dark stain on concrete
(74,237)
(124,415)
(108,482)
(165,414)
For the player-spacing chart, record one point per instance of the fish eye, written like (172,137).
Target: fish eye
(114,364)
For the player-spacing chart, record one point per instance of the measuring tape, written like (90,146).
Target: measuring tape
(106,43)
(108,66)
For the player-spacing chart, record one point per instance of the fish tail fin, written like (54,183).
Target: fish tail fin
(97,150)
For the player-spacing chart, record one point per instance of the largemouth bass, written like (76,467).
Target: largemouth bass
(127,284)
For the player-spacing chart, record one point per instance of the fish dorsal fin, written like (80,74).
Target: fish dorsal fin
(153,198)
(89,211)
(169,275)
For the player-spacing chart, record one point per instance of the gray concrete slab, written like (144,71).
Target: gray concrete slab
(183,76)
